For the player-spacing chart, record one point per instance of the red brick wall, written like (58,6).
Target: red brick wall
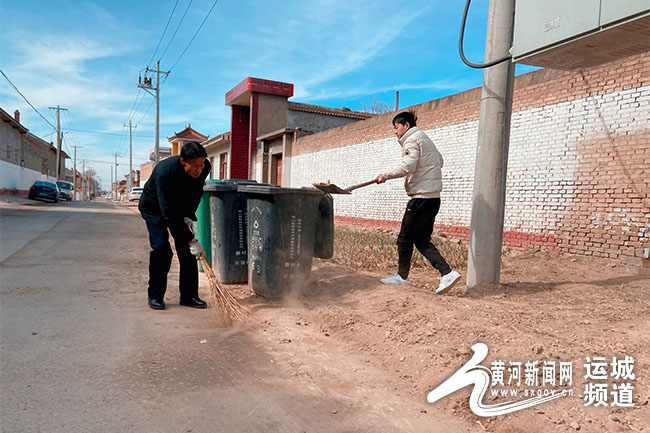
(239,142)
(578,170)
(252,134)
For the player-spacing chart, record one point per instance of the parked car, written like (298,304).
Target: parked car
(66,188)
(135,194)
(44,189)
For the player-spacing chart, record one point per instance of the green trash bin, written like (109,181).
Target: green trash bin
(282,227)
(202,225)
(228,233)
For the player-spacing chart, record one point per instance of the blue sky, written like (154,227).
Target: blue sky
(86,56)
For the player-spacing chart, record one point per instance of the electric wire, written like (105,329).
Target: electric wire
(26,100)
(196,33)
(135,101)
(176,31)
(460,46)
(136,104)
(85,131)
(163,34)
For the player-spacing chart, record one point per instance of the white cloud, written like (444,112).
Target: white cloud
(315,42)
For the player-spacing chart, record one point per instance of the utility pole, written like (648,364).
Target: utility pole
(147,86)
(397,100)
(83,179)
(116,164)
(74,170)
(112,188)
(131,155)
(59,139)
(488,203)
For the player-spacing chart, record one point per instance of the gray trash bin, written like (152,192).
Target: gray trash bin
(282,226)
(228,233)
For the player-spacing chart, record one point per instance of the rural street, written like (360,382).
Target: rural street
(82,352)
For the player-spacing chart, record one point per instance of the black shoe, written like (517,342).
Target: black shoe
(155,304)
(194,303)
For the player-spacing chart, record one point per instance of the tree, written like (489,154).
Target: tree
(377,107)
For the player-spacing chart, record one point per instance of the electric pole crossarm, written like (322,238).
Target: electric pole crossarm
(147,86)
(146,89)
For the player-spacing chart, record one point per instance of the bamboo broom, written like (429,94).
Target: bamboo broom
(226,306)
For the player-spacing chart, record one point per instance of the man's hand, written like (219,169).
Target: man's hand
(380,179)
(195,248)
(189,223)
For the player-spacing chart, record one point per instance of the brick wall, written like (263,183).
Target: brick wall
(578,176)
(239,143)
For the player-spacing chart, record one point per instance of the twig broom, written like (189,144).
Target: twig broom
(226,306)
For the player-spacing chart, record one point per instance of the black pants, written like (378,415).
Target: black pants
(417,226)
(160,260)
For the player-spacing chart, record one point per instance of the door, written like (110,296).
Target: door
(276,169)
(223,166)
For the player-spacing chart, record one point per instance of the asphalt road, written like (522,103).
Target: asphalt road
(82,352)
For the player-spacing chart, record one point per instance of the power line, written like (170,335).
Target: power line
(26,100)
(134,109)
(111,163)
(108,133)
(176,31)
(163,34)
(68,121)
(196,33)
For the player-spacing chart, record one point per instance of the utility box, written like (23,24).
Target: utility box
(574,34)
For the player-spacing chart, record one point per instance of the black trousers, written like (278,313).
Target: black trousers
(417,226)
(160,260)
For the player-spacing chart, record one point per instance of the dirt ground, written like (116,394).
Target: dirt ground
(347,328)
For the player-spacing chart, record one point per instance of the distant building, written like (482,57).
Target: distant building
(264,126)
(218,149)
(187,135)
(24,157)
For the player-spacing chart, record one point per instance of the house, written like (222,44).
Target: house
(187,135)
(24,157)
(265,125)
(218,149)
(177,141)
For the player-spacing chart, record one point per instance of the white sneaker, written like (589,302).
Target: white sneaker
(447,282)
(394,279)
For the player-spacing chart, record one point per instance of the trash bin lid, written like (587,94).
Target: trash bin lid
(276,190)
(219,185)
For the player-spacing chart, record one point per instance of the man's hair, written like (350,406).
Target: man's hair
(405,116)
(193,150)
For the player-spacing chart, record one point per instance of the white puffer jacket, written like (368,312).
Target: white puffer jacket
(421,164)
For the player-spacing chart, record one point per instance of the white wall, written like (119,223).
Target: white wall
(13,176)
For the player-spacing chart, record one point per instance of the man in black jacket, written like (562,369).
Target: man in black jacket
(168,205)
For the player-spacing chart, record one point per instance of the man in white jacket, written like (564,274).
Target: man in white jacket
(421,166)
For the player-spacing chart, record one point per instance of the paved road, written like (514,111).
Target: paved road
(81,351)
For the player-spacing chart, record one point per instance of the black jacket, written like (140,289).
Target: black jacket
(171,194)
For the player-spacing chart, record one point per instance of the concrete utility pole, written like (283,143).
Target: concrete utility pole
(59,139)
(147,85)
(83,179)
(74,171)
(116,164)
(488,204)
(131,155)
